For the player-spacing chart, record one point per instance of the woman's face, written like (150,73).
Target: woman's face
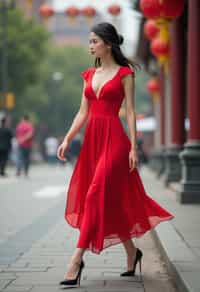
(97,47)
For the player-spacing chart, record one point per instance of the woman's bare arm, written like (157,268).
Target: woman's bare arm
(128,82)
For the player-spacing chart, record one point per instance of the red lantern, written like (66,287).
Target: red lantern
(172,8)
(88,11)
(72,12)
(114,9)
(153,86)
(159,47)
(150,29)
(150,8)
(46,11)
(162,8)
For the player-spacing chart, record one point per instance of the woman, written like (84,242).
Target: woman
(106,199)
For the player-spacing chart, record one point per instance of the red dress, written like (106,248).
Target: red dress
(106,201)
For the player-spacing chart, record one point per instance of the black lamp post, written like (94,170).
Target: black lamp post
(5,5)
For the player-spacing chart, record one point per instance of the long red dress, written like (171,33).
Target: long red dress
(106,201)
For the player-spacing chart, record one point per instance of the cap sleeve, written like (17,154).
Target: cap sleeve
(127,70)
(86,73)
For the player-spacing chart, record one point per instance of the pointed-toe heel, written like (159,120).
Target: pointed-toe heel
(138,258)
(75,281)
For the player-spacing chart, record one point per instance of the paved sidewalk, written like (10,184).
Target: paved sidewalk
(179,239)
(42,267)
(42,263)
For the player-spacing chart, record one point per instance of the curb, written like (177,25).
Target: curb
(178,257)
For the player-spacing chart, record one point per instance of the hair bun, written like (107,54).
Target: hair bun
(121,39)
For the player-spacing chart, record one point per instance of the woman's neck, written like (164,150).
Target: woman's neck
(107,63)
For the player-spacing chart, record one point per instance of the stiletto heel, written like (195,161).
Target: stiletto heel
(140,266)
(75,281)
(138,258)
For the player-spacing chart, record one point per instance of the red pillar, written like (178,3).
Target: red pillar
(177,74)
(194,71)
(190,156)
(162,107)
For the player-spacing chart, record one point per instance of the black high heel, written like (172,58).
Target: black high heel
(77,280)
(138,258)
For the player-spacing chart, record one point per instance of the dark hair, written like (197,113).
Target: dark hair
(108,33)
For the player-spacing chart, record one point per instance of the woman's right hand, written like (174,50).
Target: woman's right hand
(61,150)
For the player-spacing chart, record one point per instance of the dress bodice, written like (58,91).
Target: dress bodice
(110,95)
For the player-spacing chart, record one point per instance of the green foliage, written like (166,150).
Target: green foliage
(26,45)
(55,102)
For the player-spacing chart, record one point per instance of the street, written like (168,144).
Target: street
(36,242)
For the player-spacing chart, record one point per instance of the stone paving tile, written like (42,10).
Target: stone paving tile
(188,266)
(123,284)
(5,275)
(18,265)
(125,289)
(4,283)
(158,285)
(12,288)
(27,269)
(58,289)
(192,279)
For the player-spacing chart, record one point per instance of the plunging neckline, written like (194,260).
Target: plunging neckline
(104,84)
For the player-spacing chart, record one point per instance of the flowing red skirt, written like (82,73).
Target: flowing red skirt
(105,201)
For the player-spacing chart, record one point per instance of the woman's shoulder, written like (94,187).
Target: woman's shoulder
(126,70)
(86,73)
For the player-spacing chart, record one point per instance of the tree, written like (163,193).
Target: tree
(26,46)
(55,102)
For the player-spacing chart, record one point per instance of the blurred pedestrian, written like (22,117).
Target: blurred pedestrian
(141,153)
(14,151)
(75,147)
(5,145)
(24,134)
(51,145)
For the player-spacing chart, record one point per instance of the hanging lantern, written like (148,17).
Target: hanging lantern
(89,12)
(159,47)
(163,25)
(172,8)
(150,29)
(163,11)
(150,8)
(162,8)
(72,12)
(153,87)
(46,11)
(114,10)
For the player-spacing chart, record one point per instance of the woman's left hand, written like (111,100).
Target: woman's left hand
(133,159)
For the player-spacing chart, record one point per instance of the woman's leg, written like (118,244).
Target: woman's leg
(74,263)
(130,249)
